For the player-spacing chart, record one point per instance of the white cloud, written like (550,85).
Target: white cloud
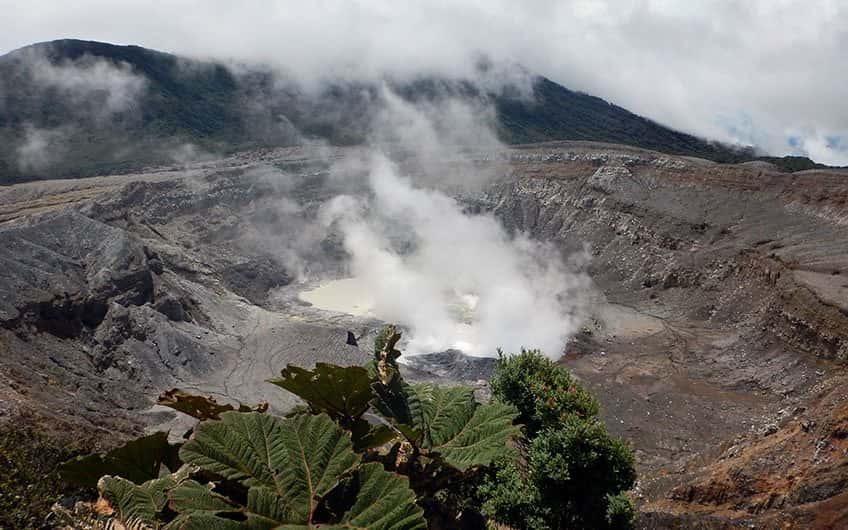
(825,149)
(684,64)
(99,87)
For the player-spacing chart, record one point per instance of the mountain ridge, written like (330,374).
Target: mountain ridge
(50,127)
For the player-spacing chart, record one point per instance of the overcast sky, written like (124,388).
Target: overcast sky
(772,73)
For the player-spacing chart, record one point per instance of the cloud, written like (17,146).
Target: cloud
(448,134)
(92,86)
(826,149)
(683,64)
(187,153)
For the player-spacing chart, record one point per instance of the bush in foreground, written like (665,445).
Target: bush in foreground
(369,450)
(572,473)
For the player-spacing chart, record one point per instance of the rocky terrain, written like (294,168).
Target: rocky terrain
(717,341)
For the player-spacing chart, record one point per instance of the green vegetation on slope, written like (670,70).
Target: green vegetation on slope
(557,113)
(29,481)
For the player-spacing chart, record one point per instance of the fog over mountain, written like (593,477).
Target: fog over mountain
(74,108)
(762,73)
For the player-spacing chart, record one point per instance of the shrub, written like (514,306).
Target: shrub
(620,511)
(573,474)
(544,394)
(369,450)
(510,497)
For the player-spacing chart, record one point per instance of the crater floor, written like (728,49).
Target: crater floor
(716,340)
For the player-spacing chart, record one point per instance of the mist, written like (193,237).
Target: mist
(39,148)
(771,74)
(453,279)
(80,95)
(95,87)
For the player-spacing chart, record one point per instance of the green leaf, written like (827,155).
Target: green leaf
(297,461)
(204,521)
(463,432)
(266,509)
(192,496)
(445,411)
(241,446)
(200,407)
(300,461)
(132,502)
(448,421)
(366,436)
(137,461)
(343,392)
(199,508)
(401,404)
(482,440)
(384,502)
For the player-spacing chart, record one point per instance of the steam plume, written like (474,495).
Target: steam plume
(456,280)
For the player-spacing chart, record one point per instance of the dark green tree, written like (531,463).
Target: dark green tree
(573,474)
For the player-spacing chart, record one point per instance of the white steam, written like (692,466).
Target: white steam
(40,147)
(455,280)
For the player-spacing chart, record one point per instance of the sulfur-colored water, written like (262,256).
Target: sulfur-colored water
(348,295)
(352,296)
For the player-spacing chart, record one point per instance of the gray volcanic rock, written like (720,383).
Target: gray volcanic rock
(255,278)
(172,308)
(450,365)
(61,272)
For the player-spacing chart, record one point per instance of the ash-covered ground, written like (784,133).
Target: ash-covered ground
(715,336)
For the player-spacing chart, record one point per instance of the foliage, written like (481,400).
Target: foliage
(620,511)
(270,472)
(368,451)
(29,482)
(202,408)
(573,474)
(544,394)
(138,503)
(342,392)
(509,497)
(575,467)
(290,467)
(791,164)
(138,461)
